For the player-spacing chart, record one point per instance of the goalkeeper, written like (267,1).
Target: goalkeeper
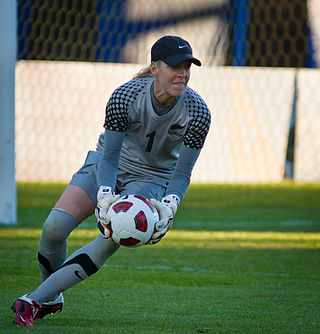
(155,127)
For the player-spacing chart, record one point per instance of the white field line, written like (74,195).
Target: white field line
(201,270)
(246,223)
(192,270)
(180,223)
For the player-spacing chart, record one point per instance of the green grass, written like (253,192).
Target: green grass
(240,259)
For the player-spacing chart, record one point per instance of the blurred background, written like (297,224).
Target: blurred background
(277,33)
(259,77)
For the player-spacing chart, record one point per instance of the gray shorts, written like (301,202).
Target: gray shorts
(86,178)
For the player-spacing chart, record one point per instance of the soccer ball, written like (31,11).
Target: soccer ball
(132,220)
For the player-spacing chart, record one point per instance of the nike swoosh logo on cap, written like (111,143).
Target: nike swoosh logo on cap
(182,46)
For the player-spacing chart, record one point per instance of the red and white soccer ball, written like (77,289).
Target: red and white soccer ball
(132,220)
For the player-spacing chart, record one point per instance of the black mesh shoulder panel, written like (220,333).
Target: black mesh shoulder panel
(117,108)
(200,120)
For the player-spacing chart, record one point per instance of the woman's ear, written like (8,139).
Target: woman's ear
(154,69)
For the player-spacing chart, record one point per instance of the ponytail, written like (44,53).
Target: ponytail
(145,72)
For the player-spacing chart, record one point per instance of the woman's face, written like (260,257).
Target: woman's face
(171,81)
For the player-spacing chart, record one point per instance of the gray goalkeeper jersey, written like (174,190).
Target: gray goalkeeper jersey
(151,144)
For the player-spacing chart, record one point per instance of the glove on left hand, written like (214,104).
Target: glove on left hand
(167,209)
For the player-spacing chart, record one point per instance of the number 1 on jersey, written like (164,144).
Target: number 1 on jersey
(151,136)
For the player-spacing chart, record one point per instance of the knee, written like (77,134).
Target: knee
(58,225)
(52,231)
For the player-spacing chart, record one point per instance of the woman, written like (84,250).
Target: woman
(155,127)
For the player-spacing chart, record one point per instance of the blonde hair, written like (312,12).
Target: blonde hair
(145,72)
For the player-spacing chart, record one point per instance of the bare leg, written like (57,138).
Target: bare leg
(77,202)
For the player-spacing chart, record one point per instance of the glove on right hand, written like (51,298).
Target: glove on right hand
(105,199)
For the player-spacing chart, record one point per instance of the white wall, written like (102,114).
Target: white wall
(60,112)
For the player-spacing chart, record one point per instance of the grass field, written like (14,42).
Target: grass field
(240,259)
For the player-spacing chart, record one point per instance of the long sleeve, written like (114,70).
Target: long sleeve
(108,166)
(181,177)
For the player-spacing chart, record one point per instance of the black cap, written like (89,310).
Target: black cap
(172,50)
